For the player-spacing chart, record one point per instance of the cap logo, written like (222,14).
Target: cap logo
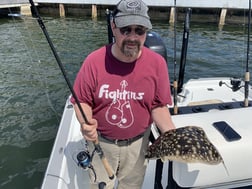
(133,6)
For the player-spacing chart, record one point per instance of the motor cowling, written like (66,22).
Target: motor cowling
(155,42)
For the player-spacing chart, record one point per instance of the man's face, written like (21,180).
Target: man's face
(130,39)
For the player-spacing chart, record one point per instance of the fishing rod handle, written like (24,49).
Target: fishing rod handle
(246,90)
(104,159)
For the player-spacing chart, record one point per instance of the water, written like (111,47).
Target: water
(33,91)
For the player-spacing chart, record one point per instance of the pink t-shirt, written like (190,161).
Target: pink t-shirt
(121,94)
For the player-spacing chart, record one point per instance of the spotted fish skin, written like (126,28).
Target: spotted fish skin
(187,144)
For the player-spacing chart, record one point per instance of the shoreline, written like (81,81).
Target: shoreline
(200,15)
(233,16)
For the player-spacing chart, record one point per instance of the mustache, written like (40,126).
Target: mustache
(131,42)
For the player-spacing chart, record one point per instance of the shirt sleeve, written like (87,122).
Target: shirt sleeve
(84,83)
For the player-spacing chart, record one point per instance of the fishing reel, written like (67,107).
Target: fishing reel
(85,161)
(235,84)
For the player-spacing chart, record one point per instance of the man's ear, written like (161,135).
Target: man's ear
(112,23)
(113,26)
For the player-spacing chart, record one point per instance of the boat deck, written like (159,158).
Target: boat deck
(64,173)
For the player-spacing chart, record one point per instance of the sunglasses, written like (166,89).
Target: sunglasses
(139,30)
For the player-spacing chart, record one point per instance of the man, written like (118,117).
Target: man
(123,87)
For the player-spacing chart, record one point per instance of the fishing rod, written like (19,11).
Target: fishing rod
(184,49)
(98,148)
(175,83)
(170,184)
(247,75)
(110,33)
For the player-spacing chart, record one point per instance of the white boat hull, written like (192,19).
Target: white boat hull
(64,173)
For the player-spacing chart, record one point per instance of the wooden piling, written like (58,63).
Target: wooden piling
(62,10)
(25,9)
(94,11)
(172,16)
(222,17)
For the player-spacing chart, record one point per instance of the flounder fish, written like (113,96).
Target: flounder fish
(187,144)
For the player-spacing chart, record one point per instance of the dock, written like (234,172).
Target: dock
(23,5)
(168,5)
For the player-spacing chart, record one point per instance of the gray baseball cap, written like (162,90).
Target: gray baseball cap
(132,12)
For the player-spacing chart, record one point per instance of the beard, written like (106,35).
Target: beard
(131,48)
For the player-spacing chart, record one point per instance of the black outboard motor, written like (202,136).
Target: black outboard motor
(155,43)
